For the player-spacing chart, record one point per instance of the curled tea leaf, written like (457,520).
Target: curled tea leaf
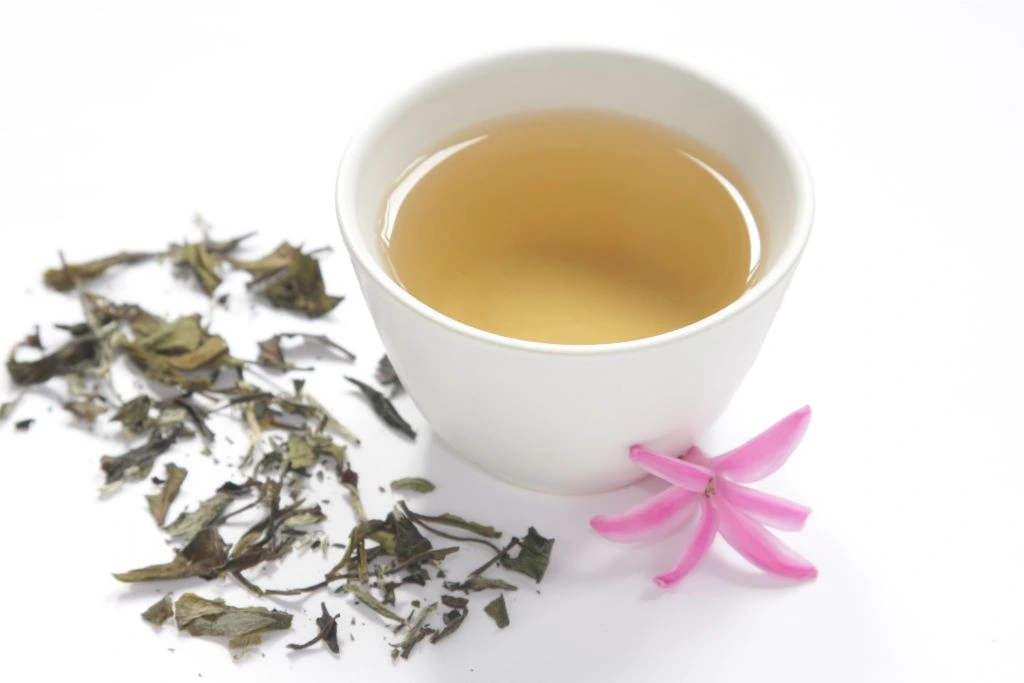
(384,409)
(189,524)
(205,556)
(272,356)
(77,354)
(160,502)
(134,415)
(327,631)
(533,557)
(202,617)
(63,279)
(475,584)
(497,611)
(454,602)
(297,286)
(136,463)
(418,484)
(274,262)
(452,621)
(300,454)
(372,602)
(160,611)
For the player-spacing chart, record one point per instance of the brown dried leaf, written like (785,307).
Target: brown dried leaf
(205,556)
(497,611)
(78,354)
(299,286)
(136,463)
(189,524)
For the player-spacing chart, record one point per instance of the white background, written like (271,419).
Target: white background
(903,329)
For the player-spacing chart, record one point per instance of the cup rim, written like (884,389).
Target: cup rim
(360,251)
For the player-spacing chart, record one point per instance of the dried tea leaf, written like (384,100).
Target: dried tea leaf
(409,542)
(136,463)
(272,356)
(452,621)
(387,376)
(77,354)
(160,502)
(382,406)
(475,584)
(86,409)
(300,454)
(181,335)
(160,611)
(448,519)
(198,259)
(533,557)
(454,602)
(273,262)
(418,484)
(298,286)
(371,602)
(497,611)
(23,425)
(7,408)
(64,279)
(134,415)
(202,617)
(188,524)
(205,556)
(418,630)
(327,631)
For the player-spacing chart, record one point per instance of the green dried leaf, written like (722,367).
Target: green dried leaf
(201,617)
(7,408)
(160,502)
(452,621)
(205,556)
(300,454)
(134,415)
(533,557)
(160,611)
(64,279)
(136,463)
(475,584)
(418,630)
(86,409)
(78,354)
(274,262)
(327,631)
(181,335)
(417,484)
(497,611)
(409,542)
(298,286)
(454,602)
(382,406)
(371,602)
(189,524)
(198,259)
(450,519)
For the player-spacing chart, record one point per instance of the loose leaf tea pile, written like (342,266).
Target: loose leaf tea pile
(267,512)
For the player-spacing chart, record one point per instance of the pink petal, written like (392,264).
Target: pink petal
(658,514)
(707,526)
(766,452)
(759,546)
(679,472)
(768,509)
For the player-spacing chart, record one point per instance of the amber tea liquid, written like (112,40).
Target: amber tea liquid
(571,227)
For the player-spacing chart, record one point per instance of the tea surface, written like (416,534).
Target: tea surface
(570,227)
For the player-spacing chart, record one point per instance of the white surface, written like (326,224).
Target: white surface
(903,329)
(585,405)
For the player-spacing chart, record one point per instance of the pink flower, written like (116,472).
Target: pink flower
(713,488)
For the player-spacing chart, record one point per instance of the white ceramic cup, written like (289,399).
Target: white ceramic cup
(561,418)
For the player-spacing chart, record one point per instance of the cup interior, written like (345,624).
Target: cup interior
(772,174)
